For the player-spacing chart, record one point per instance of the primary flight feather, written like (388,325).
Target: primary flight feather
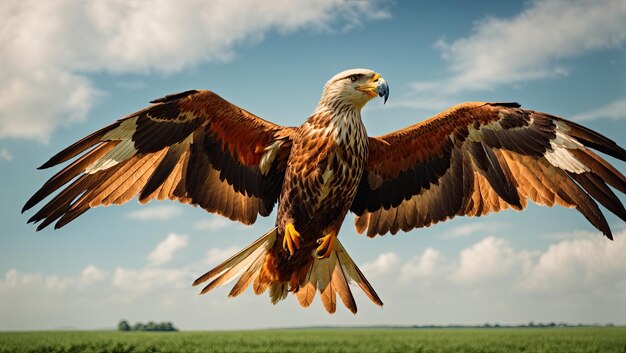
(197,148)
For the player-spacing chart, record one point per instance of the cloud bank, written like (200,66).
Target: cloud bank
(50,48)
(155,213)
(164,252)
(614,110)
(581,262)
(529,46)
(577,279)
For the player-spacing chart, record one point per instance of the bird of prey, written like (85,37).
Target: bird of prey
(197,148)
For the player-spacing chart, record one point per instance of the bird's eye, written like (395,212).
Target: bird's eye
(352,78)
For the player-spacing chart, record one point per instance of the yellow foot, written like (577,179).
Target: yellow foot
(326,245)
(291,239)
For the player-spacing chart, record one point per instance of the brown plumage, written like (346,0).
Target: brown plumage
(193,147)
(476,158)
(197,148)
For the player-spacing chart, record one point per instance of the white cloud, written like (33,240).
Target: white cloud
(589,261)
(578,262)
(490,257)
(425,265)
(14,279)
(384,264)
(91,274)
(47,301)
(528,46)
(214,223)
(5,154)
(165,250)
(614,110)
(155,213)
(574,280)
(581,261)
(135,282)
(471,228)
(49,48)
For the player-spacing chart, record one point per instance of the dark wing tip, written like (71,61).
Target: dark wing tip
(54,160)
(618,151)
(595,140)
(41,226)
(35,199)
(507,104)
(46,165)
(517,202)
(200,280)
(28,205)
(174,96)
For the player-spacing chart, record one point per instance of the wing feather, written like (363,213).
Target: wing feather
(70,172)
(477,158)
(193,147)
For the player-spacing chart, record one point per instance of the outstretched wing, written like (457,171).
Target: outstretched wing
(477,158)
(194,147)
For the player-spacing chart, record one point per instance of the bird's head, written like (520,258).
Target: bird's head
(356,87)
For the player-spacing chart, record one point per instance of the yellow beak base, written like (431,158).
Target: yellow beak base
(371,87)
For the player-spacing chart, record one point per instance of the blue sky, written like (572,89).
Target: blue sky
(70,68)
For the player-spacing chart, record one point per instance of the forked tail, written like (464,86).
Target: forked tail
(330,276)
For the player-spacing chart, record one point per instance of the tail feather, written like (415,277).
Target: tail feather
(266,239)
(340,283)
(278,291)
(230,273)
(355,274)
(329,276)
(258,286)
(325,270)
(306,292)
(247,277)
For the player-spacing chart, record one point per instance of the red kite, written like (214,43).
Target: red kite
(197,148)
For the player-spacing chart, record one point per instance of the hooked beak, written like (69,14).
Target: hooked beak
(383,89)
(376,87)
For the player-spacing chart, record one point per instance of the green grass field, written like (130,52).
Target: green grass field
(600,340)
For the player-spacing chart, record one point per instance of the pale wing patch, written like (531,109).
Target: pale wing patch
(119,153)
(560,156)
(125,131)
(268,157)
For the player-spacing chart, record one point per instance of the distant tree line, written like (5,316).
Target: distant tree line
(546,325)
(531,324)
(150,326)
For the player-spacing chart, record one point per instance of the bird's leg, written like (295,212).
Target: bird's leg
(327,244)
(291,239)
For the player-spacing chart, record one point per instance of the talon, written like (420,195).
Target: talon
(327,244)
(291,239)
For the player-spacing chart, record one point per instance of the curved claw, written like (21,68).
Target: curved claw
(327,244)
(291,239)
